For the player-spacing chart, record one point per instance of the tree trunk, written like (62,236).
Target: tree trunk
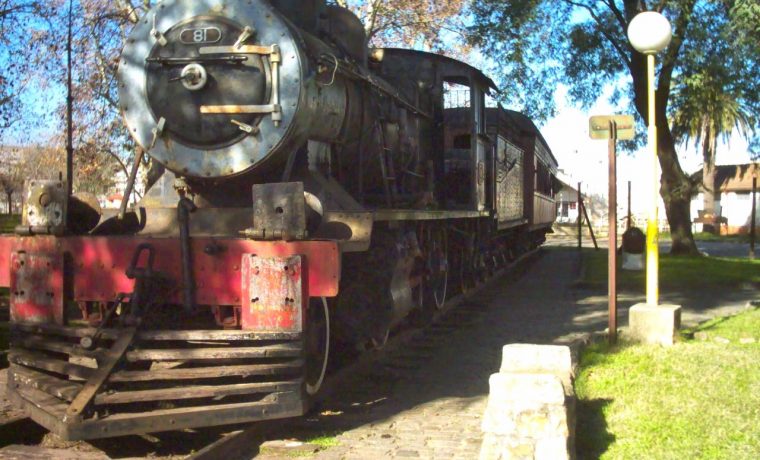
(9,195)
(708,182)
(675,186)
(675,189)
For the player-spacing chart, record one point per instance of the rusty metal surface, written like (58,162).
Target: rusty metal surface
(36,287)
(273,294)
(279,211)
(100,263)
(45,205)
(6,243)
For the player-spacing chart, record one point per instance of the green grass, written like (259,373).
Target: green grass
(324,441)
(696,400)
(733,328)
(678,273)
(8,223)
(704,236)
(312,441)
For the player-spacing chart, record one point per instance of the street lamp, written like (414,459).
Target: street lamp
(649,33)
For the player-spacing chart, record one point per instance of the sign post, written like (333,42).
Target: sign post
(752,222)
(580,218)
(612,128)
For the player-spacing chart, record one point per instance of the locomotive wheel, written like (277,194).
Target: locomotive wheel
(317,344)
(430,294)
(438,267)
(462,270)
(379,342)
(467,270)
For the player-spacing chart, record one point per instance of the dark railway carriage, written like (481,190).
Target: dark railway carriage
(520,168)
(305,192)
(515,136)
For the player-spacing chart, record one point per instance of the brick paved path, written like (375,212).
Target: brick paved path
(427,401)
(433,410)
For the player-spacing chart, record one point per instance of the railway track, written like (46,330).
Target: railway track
(399,359)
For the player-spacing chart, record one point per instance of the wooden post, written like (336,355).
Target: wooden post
(629,223)
(612,246)
(590,227)
(752,222)
(580,217)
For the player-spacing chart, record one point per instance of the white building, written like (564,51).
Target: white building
(733,200)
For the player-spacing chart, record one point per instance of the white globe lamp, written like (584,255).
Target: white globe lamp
(649,32)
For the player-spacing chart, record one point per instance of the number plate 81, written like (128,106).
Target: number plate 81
(200,36)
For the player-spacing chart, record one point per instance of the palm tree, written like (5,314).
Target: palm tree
(708,107)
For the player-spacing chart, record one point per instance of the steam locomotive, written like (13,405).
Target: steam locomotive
(305,192)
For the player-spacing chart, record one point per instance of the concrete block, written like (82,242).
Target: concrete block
(499,448)
(539,359)
(553,449)
(530,390)
(654,324)
(525,405)
(633,262)
(531,405)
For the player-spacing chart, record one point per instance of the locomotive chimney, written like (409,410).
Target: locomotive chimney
(303,13)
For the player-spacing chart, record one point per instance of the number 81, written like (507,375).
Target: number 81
(200,35)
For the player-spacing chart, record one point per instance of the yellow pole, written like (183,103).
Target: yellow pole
(653,255)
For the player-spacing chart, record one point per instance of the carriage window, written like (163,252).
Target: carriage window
(462,141)
(456,95)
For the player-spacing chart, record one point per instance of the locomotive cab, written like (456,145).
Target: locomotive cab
(462,152)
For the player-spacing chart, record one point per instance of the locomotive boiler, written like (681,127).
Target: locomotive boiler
(305,192)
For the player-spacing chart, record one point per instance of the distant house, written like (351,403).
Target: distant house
(111,201)
(733,200)
(567,204)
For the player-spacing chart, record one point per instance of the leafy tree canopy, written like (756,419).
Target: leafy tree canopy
(538,44)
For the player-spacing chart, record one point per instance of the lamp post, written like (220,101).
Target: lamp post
(649,33)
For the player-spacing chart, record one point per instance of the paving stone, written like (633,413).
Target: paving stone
(437,413)
(407,454)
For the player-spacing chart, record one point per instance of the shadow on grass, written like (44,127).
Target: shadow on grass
(592,438)
(711,325)
(688,333)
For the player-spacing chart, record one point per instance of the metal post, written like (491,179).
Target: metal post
(612,246)
(69,110)
(754,217)
(653,255)
(580,218)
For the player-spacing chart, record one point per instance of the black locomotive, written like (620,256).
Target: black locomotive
(306,191)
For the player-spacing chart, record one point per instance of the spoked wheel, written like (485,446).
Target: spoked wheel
(317,344)
(467,266)
(379,342)
(437,266)
(463,270)
(481,270)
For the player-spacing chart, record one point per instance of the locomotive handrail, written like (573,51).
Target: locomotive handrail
(275,59)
